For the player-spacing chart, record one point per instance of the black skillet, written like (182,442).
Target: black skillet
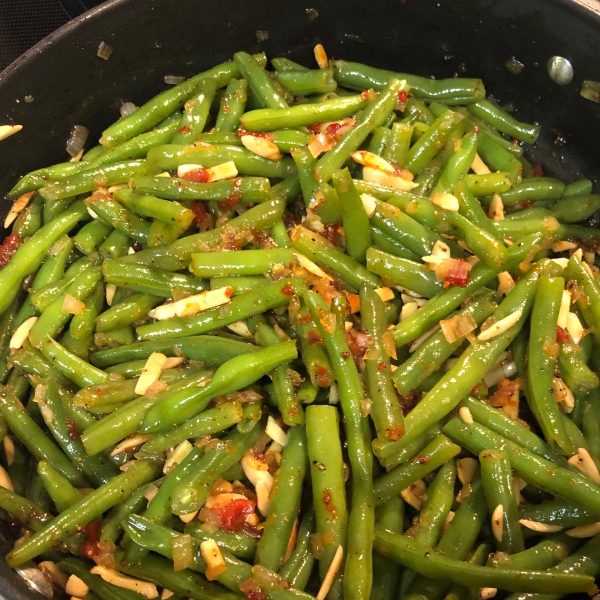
(153,38)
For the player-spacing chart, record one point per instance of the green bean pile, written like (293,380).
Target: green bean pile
(303,333)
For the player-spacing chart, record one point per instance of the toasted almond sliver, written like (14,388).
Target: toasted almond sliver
(369,159)
(574,327)
(500,326)
(369,204)
(321,56)
(487,593)
(498,522)
(465,469)
(563,246)
(382,178)
(226,170)
(76,587)
(177,456)
(479,167)
(331,574)
(540,527)
(9,449)
(151,372)
(129,443)
(110,290)
(18,206)
(189,517)
(275,432)
(385,293)
(565,307)
(21,333)
(496,209)
(584,531)
(585,463)
(261,147)
(465,415)
(145,588)
(446,201)
(505,282)
(8,130)
(185,169)
(311,267)
(214,559)
(5,480)
(408,310)
(174,361)
(192,305)
(414,494)
(240,328)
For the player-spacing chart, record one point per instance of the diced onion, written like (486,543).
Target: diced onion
(457,327)
(514,66)
(104,51)
(77,139)
(590,90)
(72,305)
(183,552)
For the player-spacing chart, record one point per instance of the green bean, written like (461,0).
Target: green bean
(487,184)
(31,253)
(31,515)
(115,245)
(258,81)
(232,106)
(496,476)
(354,217)
(557,512)
(391,454)
(387,412)
(84,324)
(36,179)
(357,572)
(91,235)
(63,494)
(581,187)
(440,495)
(282,64)
(34,439)
(498,158)
(127,312)
(406,273)
(235,374)
(196,110)
(441,305)
(373,116)
(318,249)
(458,165)
(243,262)
(470,208)
(503,425)
(269,119)
(435,454)
(408,553)
(544,555)
(122,219)
(209,422)
(193,489)
(29,221)
(239,283)
(452,91)
(212,350)
(580,379)
(538,188)
(297,569)
(284,501)
(589,302)
(538,471)
(30,361)
(241,545)
(329,496)
(305,83)
(541,365)
(240,307)
(496,117)
(177,256)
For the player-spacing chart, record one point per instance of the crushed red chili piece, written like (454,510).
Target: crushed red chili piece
(537,170)
(561,335)
(332,129)
(402,96)
(458,274)
(234,514)
(199,211)
(90,548)
(184,129)
(287,289)
(8,248)
(315,127)
(327,501)
(420,460)
(199,175)
(73,431)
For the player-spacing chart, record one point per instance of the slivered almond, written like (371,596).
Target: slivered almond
(21,333)
(505,282)
(540,527)
(110,291)
(496,209)
(261,147)
(5,480)
(275,432)
(370,159)
(321,56)
(585,463)
(563,246)
(465,469)
(9,449)
(174,361)
(487,593)
(331,574)
(213,558)
(574,327)
(192,305)
(129,443)
(151,372)
(76,587)
(584,531)
(500,326)
(189,517)
(498,522)
(385,293)
(565,307)
(479,167)
(446,201)
(369,204)
(8,130)
(311,267)
(177,456)
(240,328)
(382,178)
(414,494)
(465,415)
(19,205)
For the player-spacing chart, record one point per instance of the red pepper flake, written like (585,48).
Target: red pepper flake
(73,432)
(199,211)
(402,96)
(90,548)
(537,170)
(364,94)
(345,355)
(184,129)
(476,129)
(561,335)
(315,128)
(395,433)
(330,231)
(381,366)
(199,175)
(332,129)
(288,290)
(252,590)
(8,248)
(234,514)
(458,274)
(420,460)
(329,505)
(407,402)
(307,318)
(232,199)
(324,376)
(475,390)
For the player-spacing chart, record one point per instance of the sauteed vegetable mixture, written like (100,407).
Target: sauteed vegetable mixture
(299,333)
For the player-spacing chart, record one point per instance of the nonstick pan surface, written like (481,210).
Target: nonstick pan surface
(153,38)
